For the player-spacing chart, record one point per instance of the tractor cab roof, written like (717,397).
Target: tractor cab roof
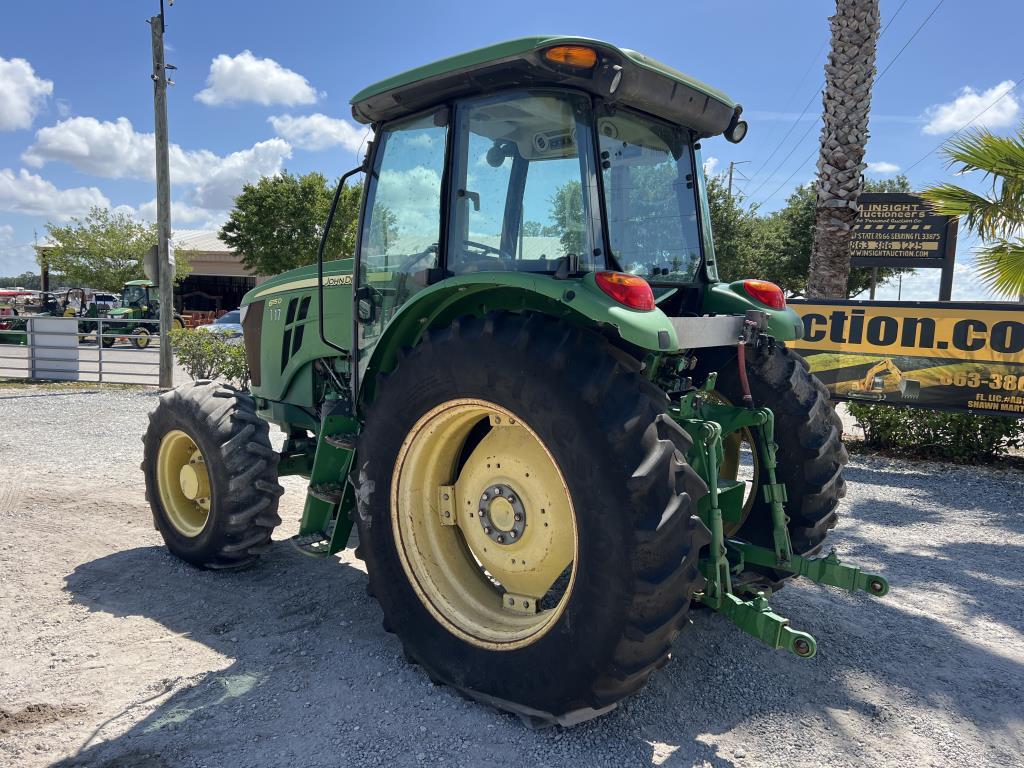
(618,75)
(147,283)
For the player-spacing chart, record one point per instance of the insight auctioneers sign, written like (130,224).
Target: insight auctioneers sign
(941,355)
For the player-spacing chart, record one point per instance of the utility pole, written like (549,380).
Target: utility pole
(163,200)
(733,164)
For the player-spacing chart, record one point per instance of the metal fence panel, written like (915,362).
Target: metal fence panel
(79,349)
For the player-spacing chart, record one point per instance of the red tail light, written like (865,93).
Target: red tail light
(767,293)
(628,290)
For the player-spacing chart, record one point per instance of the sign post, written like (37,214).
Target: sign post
(898,230)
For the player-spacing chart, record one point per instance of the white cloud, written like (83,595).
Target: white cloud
(710,163)
(217,191)
(882,168)
(22,94)
(15,258)
(116,150)
(182,215)
(319,131)
(244,77)
(949,117)
(25,192)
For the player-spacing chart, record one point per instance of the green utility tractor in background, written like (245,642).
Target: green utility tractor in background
(140,300)
(554,429)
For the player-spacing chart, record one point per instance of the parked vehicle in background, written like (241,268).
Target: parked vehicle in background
(139,301)
(228,326)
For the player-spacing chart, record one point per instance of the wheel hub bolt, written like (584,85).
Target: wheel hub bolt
(507,523)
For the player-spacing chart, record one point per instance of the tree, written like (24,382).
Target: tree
(849,75)
(778,247)
(26,280)
(277,222)
(104,250)
(567,215)
(997,217)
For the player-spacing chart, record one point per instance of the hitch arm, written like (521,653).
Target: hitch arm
(823,570)
(757,619)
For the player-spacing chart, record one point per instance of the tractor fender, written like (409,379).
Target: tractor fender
(576,300)
(732,299)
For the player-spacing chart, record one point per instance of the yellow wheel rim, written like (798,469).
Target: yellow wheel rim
(488,540)
(142,338)
(732,467)
(183,482)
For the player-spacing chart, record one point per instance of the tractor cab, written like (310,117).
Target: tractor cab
(138,297)
(579,158)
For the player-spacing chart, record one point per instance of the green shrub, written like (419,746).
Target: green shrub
(205,355)
(925,434)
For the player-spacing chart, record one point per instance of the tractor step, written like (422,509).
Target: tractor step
(327,492)
(314,544)
(341,442)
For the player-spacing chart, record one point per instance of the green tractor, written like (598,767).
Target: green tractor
(554,429)
(140,300)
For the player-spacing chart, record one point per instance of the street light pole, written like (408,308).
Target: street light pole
(163,201)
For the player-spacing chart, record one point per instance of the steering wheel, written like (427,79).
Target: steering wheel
(483,263)
(487,249)
(408,265)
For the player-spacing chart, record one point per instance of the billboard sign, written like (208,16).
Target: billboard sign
(960,356)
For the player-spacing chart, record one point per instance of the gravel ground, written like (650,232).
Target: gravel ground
(112,653)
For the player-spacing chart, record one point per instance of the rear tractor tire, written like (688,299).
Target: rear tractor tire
(211,475)
(527,516)
(811,454)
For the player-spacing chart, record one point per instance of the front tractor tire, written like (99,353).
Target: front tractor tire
(211,475)
(141,337)
(527,515)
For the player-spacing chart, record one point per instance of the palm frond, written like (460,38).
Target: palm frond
(1001,267)
(990,217)
(982,150)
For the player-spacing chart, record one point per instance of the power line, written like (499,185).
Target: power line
(794,173)
(783,161)
(783,139)
(878,77)
(817,92)
(909,40)
(967,125)
(788,102)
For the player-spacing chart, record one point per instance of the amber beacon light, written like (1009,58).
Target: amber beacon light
(576,56)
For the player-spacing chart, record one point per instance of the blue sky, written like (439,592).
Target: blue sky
(262,86)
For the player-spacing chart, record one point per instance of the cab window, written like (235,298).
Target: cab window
(401,231)
(523,193)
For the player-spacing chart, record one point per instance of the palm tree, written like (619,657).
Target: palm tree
(997,217)
(849,74)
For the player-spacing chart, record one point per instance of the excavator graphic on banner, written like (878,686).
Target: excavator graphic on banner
(874,385)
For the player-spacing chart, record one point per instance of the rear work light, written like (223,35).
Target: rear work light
(765,292)
(575,56)
(629,290)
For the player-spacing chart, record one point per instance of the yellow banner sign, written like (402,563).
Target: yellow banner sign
(954,356)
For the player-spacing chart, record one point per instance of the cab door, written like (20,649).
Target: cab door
(401,230)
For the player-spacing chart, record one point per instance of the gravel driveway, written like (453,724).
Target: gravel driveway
(112,653)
